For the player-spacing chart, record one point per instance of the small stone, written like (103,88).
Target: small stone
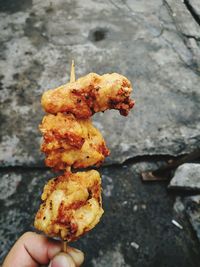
(134,245)
(135,208)
(124,202)
(107,191)
(143,206)
(178,205)
(107,185)
(177,224)
(187,177)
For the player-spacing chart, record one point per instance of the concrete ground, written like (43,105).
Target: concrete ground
(156,44)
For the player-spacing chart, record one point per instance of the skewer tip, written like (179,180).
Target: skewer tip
(72,75)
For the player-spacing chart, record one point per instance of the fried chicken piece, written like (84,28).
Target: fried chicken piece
(71,142)
(90,94)
(71,205)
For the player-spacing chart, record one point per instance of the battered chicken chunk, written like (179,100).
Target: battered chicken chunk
(71,142)
(89,94)
(71,205)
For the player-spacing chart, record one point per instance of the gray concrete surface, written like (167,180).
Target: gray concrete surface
(186,177)
(134,212)
(193,213)
(156,44)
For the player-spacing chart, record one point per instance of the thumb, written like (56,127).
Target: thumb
(62,260)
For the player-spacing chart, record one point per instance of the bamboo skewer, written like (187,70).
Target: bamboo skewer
(64,246)
(68,169)
(72,75)
(72,79)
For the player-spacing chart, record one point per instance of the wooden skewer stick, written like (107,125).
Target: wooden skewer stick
(64,246)
(68,169)
(72,79)
(72,75)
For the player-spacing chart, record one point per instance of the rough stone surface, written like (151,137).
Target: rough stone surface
(194,6)
(183,18)
(9,184)
(156,44)
(111,258)
(193,212)
(187,176)
(157,50)
(179,206)
(111,242)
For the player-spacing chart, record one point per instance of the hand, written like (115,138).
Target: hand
(33,250)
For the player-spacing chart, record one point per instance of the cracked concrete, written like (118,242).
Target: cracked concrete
(194,7)
(137,39)
(156,44)
(183,19)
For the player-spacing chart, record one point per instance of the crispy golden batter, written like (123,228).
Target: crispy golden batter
(71,142)
(89,94)
(71,205)
(72,202)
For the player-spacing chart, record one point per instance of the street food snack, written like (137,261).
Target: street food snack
(68,141)
(71,205)
(90,94)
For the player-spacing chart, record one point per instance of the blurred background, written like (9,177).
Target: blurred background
(156,44)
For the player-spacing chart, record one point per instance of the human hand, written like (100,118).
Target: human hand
(34,250)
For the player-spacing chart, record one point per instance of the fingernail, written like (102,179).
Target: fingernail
(62,260)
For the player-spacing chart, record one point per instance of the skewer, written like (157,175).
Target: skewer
(68,169)
(72,79)
(72,75)
(64,246)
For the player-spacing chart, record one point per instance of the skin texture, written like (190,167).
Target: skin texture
(71,205)
(68,141)
(33,250)
(90,94)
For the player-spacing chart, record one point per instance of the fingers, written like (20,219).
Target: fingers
(32,250)
(77,255)
(73,258)
(62,260)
